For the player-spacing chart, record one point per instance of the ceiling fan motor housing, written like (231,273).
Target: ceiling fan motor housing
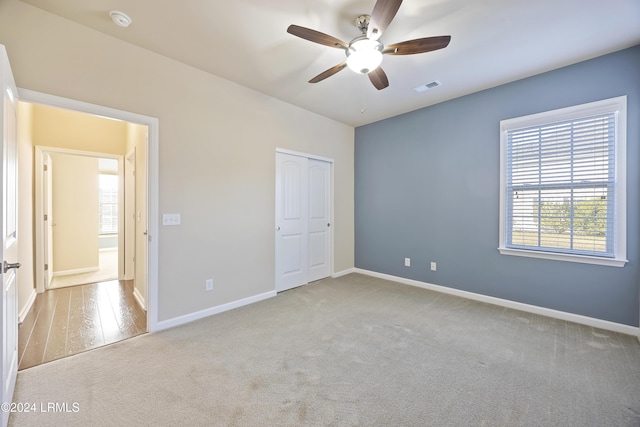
(362,23)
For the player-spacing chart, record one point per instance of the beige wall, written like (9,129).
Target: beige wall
(26,273)
(56,127)
(75,213)
(216,152)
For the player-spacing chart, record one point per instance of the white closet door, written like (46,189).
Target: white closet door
(319,219)
(303,220)
(291,221)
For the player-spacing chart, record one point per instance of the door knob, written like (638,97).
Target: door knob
(8,266)
(328,224)
(277,228)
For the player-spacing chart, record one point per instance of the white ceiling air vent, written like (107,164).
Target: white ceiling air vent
(121,19)
(427,86)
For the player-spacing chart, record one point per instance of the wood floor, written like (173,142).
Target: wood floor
(71,320)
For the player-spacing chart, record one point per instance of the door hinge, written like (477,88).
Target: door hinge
(45,168)
(46,267)
(45,217)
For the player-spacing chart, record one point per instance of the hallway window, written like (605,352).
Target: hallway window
(108,199)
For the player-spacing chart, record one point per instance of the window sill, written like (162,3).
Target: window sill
(585,259)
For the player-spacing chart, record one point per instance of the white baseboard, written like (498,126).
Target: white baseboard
(343,273)
(562,315)
(139,299)
(181,320)
(76,271)
(25,310)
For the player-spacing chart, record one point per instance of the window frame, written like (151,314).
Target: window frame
(101,203)
(618,106)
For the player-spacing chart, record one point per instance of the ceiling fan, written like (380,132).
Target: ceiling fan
(364,53)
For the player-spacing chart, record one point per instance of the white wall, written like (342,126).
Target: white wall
(216,152)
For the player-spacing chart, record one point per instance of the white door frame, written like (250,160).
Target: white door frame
(331,198)
(152,179)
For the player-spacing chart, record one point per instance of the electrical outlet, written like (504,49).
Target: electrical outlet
(433,266)
(407,262)
(208,284)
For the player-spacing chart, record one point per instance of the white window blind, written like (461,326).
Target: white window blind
(108,203)
(560,193)
(560,186)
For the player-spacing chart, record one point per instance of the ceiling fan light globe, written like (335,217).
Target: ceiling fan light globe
(364,55)
(364,61)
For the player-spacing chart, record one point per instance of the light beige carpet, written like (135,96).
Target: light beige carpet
(347,352)
(108,271)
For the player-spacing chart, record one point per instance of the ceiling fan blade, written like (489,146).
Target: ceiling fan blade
(383,13)
(328,73)
(411,47)
(316,37)
(379,78)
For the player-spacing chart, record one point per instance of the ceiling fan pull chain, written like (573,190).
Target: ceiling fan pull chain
(363,110)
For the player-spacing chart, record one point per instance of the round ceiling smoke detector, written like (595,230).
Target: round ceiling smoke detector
(121,19)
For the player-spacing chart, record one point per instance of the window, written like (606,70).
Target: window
(108,200)
(563,184)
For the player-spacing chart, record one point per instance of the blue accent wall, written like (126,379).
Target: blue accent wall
(427,187)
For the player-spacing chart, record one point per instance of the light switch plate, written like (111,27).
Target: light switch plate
(170,219)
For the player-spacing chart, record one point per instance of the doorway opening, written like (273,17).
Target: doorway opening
(80,217)
(124,302)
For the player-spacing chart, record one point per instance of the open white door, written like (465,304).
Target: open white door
(9,255)
(47,173)
(143,238)
(129,215)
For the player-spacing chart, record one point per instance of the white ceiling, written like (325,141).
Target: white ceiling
(245,41)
